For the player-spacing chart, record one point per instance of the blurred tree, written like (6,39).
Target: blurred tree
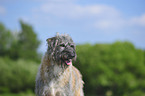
(6,40)
(112,69)
(17,76)
(28,42)
(23,44)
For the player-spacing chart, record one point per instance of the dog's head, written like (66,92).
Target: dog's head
(61,49)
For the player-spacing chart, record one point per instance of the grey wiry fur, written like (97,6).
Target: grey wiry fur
(56,75)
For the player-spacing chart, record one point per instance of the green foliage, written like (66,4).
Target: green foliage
(28,42)
(23,44)
(6,40)
(17,75)
(112,69)
(18,94)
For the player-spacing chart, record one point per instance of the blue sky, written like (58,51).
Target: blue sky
(87,21)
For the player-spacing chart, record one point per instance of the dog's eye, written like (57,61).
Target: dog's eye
(72,46)
(62,45)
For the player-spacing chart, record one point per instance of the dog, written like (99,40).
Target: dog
(56,75)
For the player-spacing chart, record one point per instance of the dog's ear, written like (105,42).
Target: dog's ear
(52,43)
(50,39)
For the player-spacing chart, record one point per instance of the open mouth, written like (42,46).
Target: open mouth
(68,62)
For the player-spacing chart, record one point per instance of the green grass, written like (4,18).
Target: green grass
(19,94)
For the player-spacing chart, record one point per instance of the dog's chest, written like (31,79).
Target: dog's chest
(57,70)
(62,83)
(62,76)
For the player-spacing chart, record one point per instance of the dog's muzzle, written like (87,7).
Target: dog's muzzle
(68,56)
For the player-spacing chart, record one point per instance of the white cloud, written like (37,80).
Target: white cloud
(140,20)
(100,17)
(2,10)
(70,10)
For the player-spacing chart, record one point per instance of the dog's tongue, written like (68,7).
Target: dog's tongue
(68,62)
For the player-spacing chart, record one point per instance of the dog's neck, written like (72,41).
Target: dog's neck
(53,69)
(58,69)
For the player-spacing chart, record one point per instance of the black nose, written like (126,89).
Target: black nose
(72,55)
